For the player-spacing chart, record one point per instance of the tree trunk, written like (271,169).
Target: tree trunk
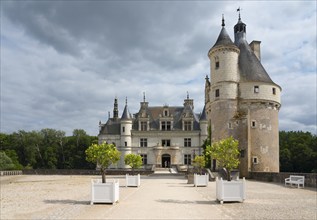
(103,175)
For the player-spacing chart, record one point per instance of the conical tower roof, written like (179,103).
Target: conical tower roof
(126,114)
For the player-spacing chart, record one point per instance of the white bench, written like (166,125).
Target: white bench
(296,180)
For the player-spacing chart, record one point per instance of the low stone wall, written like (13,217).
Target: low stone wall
(310,178)
(10,172)
(83,172)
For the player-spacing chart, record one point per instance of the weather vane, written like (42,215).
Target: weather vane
(239,9)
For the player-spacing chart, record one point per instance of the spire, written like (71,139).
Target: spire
(223,38)
(143,96)
(239,9)
(203,116)
(115,109)
(126,114)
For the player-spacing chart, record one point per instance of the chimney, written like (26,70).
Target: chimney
(256,48)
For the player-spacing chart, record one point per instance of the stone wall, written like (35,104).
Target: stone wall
(83,172)
(310,178)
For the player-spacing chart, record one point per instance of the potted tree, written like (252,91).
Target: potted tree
(134,161)
(200,179)
(226,152)
(103,155)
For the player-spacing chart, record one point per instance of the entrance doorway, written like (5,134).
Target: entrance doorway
(166,160)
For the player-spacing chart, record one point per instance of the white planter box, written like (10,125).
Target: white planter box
(230,191)
(201,180)
(133,180)
(104,192)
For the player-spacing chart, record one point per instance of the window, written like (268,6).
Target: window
(123,129)
(255,160)
(187,125)
(166,143)
(217,93)
(125,143)
(253,124)
(144,159)
(143,142)
(165,113)
(187,159)
(242,153)
(217,62)
(143,126)
(187,142)
(230,125)
(256,89)
(274,91)
(165,125)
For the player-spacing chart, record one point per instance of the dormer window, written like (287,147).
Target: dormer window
(165,113)
(143,126)
(187,125)
(165,125)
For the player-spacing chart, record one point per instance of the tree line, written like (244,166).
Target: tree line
(52,149)
(45,149)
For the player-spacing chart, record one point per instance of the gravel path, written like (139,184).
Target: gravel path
(68,197)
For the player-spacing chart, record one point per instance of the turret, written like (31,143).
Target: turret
(125,131)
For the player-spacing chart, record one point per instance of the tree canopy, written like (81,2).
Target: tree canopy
(226,152)
(133,160)
(103,155)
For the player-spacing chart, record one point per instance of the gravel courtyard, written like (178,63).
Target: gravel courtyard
(159,197)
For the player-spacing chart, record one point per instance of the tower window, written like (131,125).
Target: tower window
(255,160)
(253,124)
(256,89)
(230,125)
(216,62)
(217,93)
(123,129)
(125,143)
(242,153)
(274,91)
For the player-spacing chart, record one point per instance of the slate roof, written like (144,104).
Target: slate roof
(177,113)
(223,39)
(251,69)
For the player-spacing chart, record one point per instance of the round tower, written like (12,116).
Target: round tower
(259,104)
(224,79)
(125,134)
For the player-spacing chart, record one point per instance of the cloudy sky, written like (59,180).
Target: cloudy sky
(63,62)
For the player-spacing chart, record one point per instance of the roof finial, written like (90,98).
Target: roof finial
(143,96)
(126,100)
(239,9)
(223,21)
(187,95)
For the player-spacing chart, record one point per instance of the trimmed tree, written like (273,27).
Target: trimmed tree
(103,155)
(226,152)
(133,160)
(199,162)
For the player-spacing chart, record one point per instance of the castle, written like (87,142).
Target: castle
(241,101)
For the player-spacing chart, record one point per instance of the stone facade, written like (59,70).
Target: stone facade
(164,136)
(242,101)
